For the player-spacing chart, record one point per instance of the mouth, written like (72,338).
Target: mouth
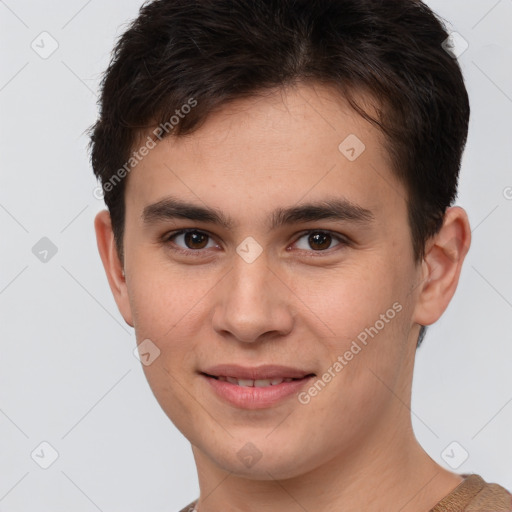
(257,383)
(261,387)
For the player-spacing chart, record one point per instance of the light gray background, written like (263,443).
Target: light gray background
(67,372)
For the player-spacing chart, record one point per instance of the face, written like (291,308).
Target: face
(258,240)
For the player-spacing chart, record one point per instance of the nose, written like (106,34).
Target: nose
(253,303)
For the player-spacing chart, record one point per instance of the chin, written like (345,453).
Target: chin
(264,462)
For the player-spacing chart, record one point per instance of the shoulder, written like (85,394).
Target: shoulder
(474,494)
(190,507)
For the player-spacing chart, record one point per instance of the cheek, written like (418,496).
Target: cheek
(172,393)
(169,309)
(165,300)
(362,388)
(367,313)
(348,299)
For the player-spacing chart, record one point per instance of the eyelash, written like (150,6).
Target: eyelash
(169,237)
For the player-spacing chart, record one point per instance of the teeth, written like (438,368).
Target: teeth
(262,383)
(246,383)
(258,383)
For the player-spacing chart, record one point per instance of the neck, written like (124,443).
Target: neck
(390,472)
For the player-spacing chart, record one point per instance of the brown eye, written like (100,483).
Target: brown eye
(195,240)
(319,241)
(191,240)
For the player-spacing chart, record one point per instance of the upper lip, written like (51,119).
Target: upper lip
(256,372)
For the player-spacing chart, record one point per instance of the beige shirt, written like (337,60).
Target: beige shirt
(473,494)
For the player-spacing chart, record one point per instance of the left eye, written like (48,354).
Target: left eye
(318,241)
(192,239)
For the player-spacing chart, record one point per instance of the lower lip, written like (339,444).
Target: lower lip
(253,397)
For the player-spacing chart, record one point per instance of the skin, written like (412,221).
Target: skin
(352,446)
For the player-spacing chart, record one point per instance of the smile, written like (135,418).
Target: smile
(258,383)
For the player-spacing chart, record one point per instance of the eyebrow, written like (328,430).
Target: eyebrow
(339,209)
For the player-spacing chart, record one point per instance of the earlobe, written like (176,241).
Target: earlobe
(442,265)
(112,264)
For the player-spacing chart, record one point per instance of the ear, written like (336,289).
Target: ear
(442,265)
(112,264)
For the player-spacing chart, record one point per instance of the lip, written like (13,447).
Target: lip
(255,397)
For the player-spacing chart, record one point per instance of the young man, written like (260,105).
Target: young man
(279,176)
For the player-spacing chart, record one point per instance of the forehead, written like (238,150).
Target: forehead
(274,149)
